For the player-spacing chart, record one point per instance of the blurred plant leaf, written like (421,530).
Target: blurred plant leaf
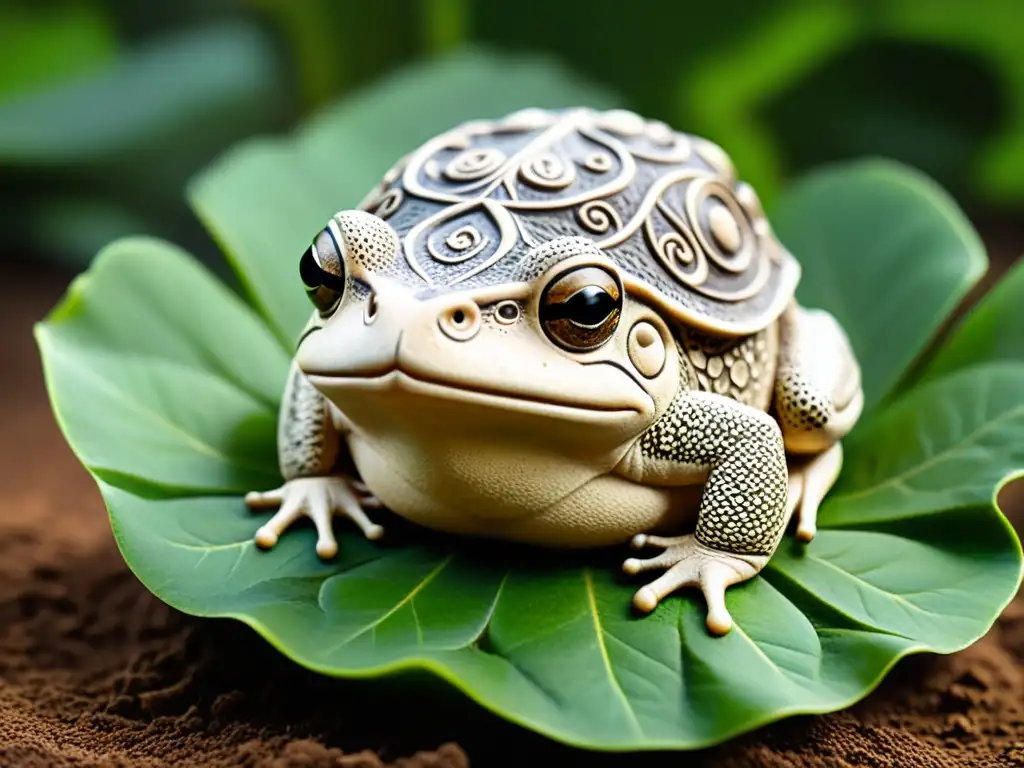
(45,43)
(149,99)
(720,69)
(719,95)
(337,46)
(641,50)
(206,418)
(873,98)
(445,24)
(73,229)
(107,154)
(947,444)
(992,330)
(990,30)
(341,155)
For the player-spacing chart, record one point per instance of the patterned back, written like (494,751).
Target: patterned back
(666,207)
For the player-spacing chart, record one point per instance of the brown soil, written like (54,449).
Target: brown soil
(94,671)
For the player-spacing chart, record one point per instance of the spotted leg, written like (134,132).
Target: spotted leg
(818,399)
(738,452)
(308,446)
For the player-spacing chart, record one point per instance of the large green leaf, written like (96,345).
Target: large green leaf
(552,644)
(166,386)
(992,330)
(950,443)
(887,252)
(149,363)
(296,184)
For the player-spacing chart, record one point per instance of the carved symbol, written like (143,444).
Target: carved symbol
(715,156)
(723,227)
(465,241)
(699,223)
(547,171)
(677,249)
(598,217)
(474,164)
(532,159)
(598,162)
(661,134)
(620,121)
(715,214)
(389,203)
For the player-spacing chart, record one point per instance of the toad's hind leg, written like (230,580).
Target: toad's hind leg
(818,399)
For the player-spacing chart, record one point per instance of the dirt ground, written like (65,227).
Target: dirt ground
(94,671)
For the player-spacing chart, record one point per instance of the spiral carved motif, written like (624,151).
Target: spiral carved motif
(465,243)
(474,164)
(678,252)
(599,217)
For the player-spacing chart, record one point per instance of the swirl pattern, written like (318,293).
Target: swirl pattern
(665,206)
(678,251)
(474,164)
(599,217)
(465,243)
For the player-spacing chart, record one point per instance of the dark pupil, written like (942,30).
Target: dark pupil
(314,275)
(589,306)
(309,270)
(322,272)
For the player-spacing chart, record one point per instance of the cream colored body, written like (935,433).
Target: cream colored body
(564,403)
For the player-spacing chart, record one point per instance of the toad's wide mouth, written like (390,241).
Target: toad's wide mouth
(402,381)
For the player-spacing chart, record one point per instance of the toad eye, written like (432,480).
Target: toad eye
(322,268)
(580,309)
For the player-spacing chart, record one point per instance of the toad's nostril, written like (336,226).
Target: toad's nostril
(371,308)
(460,322)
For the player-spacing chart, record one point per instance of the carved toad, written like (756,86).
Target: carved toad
(573,329)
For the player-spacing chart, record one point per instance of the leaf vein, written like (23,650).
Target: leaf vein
(937,458)
(606,660)
(391,612)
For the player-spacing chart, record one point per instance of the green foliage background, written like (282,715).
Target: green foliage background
(108,107)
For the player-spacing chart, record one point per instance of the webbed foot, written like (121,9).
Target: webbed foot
(809,481)
(318,498)
(692,564)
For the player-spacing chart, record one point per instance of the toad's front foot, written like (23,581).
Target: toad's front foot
(318,498)
(692,564)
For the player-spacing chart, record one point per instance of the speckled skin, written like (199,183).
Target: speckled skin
(309,444)
(452,358)
(744,502)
